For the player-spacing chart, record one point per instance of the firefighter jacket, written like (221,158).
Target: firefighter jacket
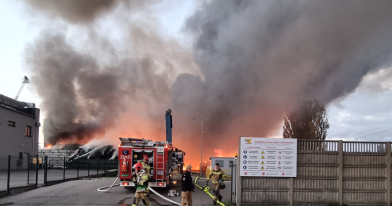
(216,175)
(147,167)
(186,183)
(141,181)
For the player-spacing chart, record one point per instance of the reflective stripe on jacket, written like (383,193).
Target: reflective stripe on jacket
(147,167)
(217,175)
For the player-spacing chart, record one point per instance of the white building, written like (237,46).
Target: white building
(19,132)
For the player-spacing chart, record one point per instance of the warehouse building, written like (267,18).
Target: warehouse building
(19,131)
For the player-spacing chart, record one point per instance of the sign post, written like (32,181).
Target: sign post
(268,157)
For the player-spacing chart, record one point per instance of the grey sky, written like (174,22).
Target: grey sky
(366,111)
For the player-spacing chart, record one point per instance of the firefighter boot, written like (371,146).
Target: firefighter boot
(134,201)
(146,202)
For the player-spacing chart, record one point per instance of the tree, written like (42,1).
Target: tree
(310,121)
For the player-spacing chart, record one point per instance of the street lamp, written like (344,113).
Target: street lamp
(201,144)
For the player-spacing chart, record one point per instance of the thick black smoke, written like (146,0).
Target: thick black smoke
(85,11)
(84,97)
(261,59)
(258,60)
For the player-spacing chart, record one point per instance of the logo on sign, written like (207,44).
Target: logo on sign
(245,162)
(245,151)
(280,162)
(280,152)
(280,157)
(244,167)
(262,162)
(279,168)
(262,152)
(283,173)
(245,156)
(262,167)
(248,141)
(262,157)
(246,173)
(263,173)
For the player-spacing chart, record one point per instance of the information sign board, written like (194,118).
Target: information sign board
(268,157)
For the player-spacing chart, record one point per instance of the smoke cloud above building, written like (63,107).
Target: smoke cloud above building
(251,62)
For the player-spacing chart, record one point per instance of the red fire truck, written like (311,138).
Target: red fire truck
(132,151)
(162,158)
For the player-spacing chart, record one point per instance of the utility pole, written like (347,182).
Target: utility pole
(201,144)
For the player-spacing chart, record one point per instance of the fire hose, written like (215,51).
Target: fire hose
(103,189)
(207,191)
(159,195)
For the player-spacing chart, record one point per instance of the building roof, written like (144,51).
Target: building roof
(223,157)
(22,107)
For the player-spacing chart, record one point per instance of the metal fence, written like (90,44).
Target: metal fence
(24,173)
(328,173)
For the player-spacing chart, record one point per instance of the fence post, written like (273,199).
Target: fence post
(46,171)
(388,172)
(239,178)
(8,174)
(88,167)
(232,177)
(97,165)
(104,166)
(63,168)
(28,168)
(291,191)
(340,172)
(36,172)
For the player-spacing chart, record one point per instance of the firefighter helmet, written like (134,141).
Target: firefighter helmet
(138,165)
(145,157)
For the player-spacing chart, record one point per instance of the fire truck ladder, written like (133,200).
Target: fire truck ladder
(161,160)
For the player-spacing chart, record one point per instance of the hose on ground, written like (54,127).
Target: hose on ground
(159,195)
(207,192)
(102,189)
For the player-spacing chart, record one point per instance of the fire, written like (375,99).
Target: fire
(49,146)
(218,152)
(183,168)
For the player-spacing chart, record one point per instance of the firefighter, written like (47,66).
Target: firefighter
(146,166)
(217,176)
(140,178)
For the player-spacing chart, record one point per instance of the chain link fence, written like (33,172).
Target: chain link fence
(25,172)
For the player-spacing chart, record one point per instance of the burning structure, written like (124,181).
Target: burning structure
(250,63)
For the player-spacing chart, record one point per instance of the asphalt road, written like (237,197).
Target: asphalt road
(84,192)
(19,177)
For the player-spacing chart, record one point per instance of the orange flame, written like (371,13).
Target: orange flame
(218,152)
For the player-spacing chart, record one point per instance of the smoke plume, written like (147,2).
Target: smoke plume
(257,61)
(261,59)
(76,11)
